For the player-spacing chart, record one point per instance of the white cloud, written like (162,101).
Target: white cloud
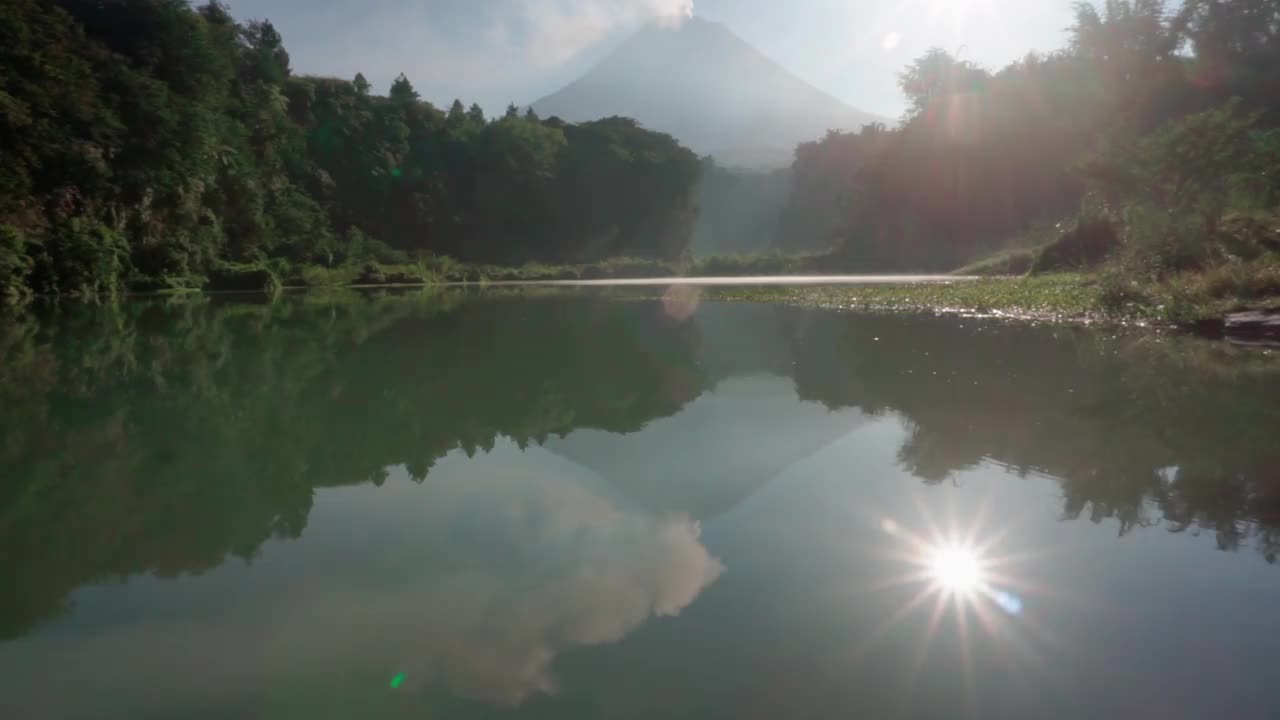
(493,52)
(496,567)
(560,29)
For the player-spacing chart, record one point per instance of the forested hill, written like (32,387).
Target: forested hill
(148,143)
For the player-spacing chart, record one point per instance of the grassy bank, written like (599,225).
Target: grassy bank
(1065,296)
(1110,293)
(277,275)
(1062,297)
(1117,288)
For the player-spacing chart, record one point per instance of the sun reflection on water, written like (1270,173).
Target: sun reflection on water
(956,569)
(958,580)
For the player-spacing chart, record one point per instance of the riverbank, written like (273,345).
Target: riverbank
(1182,300)
(438,270)
(1201,303)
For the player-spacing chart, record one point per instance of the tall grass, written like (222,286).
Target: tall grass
(771,263)
(1016,261)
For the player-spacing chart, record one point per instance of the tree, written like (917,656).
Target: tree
(402,93)
(985,159)
(938,75)
(270,64)
(1192,165)
(457,117)
(1236,48)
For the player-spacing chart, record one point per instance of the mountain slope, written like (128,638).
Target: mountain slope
(711,90)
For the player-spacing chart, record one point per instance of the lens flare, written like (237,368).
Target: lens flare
(956,569)
(953,579)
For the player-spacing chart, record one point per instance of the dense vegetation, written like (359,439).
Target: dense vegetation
(1149,140)
(152,145)
(148,144)
(168,436)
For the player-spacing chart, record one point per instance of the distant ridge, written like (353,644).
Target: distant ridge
(711,90)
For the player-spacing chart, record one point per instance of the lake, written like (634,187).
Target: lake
(628,504)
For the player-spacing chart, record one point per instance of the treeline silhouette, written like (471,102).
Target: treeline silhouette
(166,437)
(149,144)
(984,159)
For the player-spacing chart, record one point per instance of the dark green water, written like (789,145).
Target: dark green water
(566,506)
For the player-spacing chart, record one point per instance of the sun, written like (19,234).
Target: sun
(962,571)
(956,569)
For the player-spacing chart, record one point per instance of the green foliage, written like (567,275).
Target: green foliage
(1086,244)
(1248,280)
(15,265)
(1016,261)
(1197,165)
(1157,241)
(771,263)
(628,267)
(82,258)
(1249,235)
(1137,111)
(1059,296)
(151,144)
(938,75)
(244,278)
(1195,193)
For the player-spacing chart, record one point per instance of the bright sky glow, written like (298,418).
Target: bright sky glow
(499,51)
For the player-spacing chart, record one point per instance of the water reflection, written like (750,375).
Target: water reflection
(1138,429)
(477,579)
(164,438)
(482,493)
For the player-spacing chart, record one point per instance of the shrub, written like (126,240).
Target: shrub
(441,269)
(1192,165)
(316,276)
(1017,261)
(243,278)
(1246,236)
(1244,280)
(80,257)
(532,272)
(627,267)
(1085,245)
(15,265)
(402,274)
(1158,241)
(371,274)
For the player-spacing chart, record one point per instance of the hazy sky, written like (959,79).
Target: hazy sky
(496,51)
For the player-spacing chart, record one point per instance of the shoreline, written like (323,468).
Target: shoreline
(1058,298)
(1063,299)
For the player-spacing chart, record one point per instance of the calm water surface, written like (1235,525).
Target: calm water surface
(569,505)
